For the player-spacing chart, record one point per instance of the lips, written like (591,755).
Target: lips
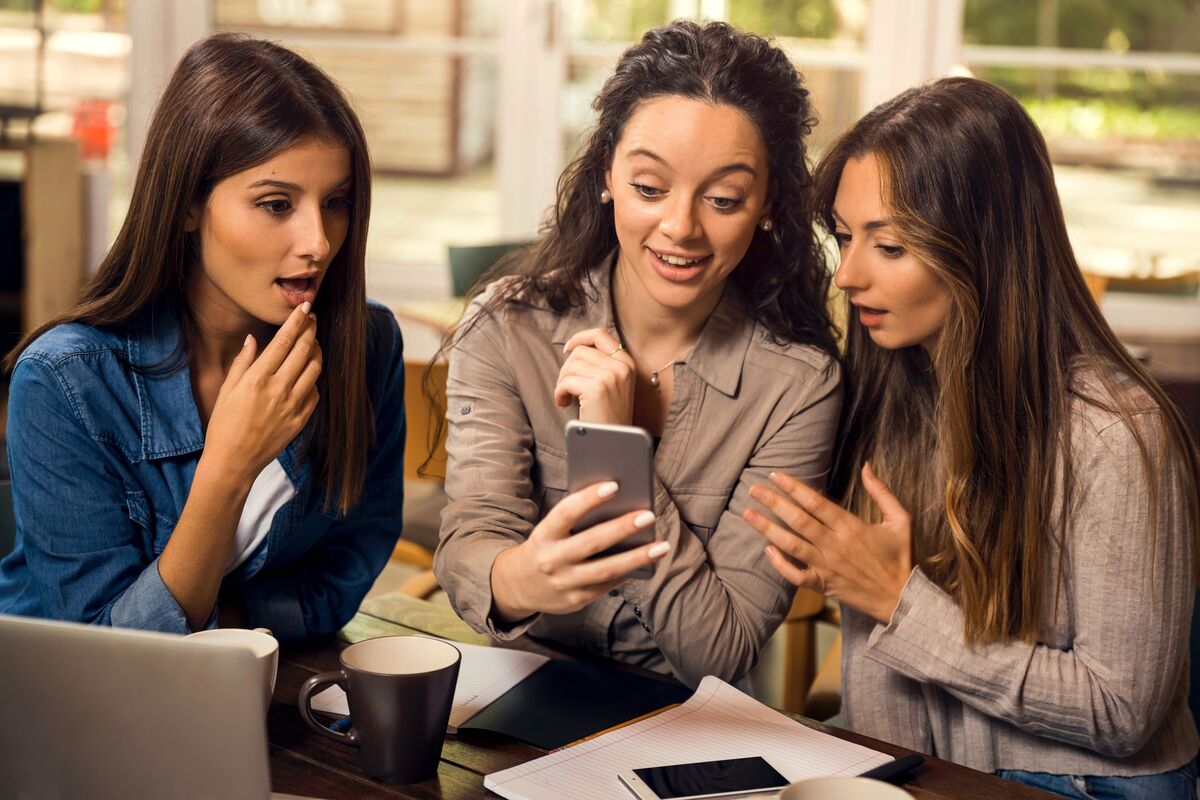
(870,317)
(678,267)
(297,290)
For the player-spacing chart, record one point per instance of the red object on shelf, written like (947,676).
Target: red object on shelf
(93,129)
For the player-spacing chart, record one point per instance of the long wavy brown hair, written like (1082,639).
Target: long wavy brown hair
(234,102)
(783,280)
(974,436)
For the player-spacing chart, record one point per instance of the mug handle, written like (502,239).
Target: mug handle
(310,687)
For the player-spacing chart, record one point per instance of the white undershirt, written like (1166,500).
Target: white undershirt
(271,491)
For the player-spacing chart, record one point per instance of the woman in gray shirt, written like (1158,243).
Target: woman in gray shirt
(1017,597)
(677,287)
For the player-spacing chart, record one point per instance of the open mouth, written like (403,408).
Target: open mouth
(298,290)
(678,267)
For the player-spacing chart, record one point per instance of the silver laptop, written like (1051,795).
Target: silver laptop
(110,713)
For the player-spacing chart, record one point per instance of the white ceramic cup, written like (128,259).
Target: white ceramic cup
(843,789)
(258,641)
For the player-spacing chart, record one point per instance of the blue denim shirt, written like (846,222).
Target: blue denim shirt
(103,458)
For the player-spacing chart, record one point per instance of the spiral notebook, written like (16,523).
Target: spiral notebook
(718,722)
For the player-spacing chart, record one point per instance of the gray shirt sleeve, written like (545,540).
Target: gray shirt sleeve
(1129,581)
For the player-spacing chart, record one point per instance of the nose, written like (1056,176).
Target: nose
(679,221)
(311,237)
(850,273)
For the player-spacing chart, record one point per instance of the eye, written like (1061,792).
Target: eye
(725,203)
(277,207)
(340,203)
(890,251)
(648,192)
(842,238)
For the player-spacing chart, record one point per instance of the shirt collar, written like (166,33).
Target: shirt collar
(170,423)
(719,353)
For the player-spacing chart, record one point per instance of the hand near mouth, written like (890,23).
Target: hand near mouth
(266,398)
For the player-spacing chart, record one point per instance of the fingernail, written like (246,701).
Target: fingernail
(659,550)
(643,519)
(758,492)
(780,479)
(246,343)
(565,346)
(306,306)
(607,489)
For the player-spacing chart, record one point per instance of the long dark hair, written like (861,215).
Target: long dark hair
(234,102)
(782,280)
(974,438)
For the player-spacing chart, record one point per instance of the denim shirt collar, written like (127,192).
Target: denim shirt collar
(168,417)
(718,355)
(169,421)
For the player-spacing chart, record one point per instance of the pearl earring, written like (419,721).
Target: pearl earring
(605,196)
(766,224)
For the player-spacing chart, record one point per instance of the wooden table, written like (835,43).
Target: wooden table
(304,763)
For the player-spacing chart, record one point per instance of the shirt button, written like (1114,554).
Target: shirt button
(637,611)
(646,627)
(466,409)
(613,593)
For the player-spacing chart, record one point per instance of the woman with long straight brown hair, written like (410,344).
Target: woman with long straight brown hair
(678,287)
(1015,550)
(215,430)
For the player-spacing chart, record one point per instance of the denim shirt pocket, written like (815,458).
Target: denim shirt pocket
(156,528)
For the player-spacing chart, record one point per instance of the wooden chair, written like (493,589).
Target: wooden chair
(422,416)
(808,689)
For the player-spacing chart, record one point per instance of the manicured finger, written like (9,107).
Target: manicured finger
(617,566)
(888,503)
(794,545)
(242,362)
(302,351)
(599,538)
(285,338)
(803,577)
(311,372)
(829,514)
(561,519)
(791,514)
(598,338)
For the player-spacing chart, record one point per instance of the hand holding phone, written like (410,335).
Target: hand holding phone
(565,565)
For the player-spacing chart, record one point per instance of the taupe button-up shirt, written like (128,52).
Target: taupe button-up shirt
(742,407)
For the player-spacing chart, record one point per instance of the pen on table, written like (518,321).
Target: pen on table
(341,726)
(894,769)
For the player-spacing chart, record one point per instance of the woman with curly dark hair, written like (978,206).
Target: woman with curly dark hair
(678,287)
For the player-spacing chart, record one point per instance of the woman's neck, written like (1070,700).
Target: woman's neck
(219,328)
(653,331)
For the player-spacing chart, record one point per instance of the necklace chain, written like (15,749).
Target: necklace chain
(654,372)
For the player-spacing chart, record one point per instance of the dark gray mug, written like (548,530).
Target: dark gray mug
(399,689)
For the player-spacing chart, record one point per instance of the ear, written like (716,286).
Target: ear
(191,223)
(608,180)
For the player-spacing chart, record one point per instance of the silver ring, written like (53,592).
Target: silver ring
(616,350)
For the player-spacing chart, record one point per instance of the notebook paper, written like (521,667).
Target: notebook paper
(718,722)
(484,674)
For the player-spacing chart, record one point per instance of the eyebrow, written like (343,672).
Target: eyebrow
(874,224)
(738,166)
(291,187)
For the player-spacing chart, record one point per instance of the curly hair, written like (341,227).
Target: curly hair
(783,280)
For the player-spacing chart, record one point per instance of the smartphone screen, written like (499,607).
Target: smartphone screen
(711,778)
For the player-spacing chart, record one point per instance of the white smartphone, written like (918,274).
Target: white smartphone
(621,453)
(704,779)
